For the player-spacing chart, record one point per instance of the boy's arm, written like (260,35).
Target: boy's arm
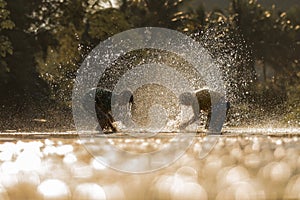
(186,124)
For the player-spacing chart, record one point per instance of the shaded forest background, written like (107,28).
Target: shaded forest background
(43,43)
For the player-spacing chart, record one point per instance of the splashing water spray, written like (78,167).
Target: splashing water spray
(156,87)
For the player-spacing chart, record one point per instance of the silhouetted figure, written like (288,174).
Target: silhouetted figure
(200,101)
(103,105)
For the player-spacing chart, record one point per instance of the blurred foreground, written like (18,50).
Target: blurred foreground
(258,164)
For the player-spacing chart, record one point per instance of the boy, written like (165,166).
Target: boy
(202,102)
(103,105)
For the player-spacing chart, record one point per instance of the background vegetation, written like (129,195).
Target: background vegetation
(43,42)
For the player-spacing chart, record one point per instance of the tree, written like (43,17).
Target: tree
(5,43)
(163,13)
(229,49)
(23,81)
(273,36)
(75,27)
(270,34)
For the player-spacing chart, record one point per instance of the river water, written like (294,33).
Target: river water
(244,164)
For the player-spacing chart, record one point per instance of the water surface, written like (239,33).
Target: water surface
(245,163)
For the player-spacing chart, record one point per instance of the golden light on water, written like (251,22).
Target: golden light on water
(89,191)
(248,166)
(54,189)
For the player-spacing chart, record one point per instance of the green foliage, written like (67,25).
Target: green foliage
(5,44)
(52,37)
(106,23)
(5,22)
(58,25)
(271,35)
(19,77)
(59,66)
(163,13)
(73,36)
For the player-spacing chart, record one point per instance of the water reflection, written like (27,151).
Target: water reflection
(239,167)
(89,191)
(54,189)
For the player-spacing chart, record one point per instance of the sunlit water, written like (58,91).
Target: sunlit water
(244,164)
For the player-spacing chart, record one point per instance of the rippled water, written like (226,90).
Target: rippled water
(244,164)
